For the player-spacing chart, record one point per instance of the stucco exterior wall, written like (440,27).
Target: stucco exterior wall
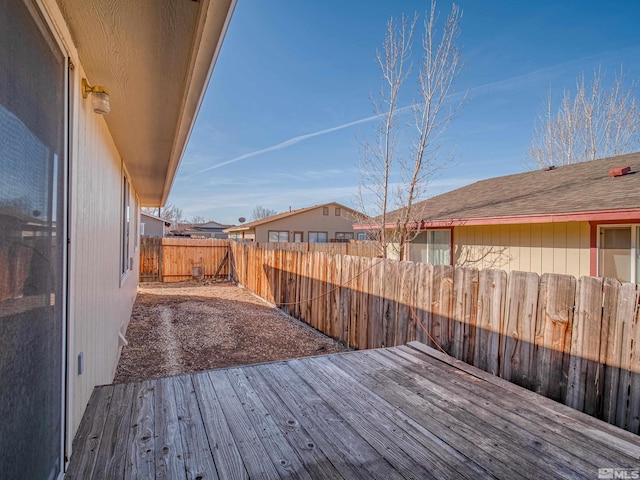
(561,247)
(310,221)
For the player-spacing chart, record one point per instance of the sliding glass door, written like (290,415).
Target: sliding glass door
(32,242)
(619,252)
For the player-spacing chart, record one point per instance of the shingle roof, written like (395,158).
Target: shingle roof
(255,223)
(581,187)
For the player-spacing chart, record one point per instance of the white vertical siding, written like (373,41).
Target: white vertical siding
(561,247)
(100,297)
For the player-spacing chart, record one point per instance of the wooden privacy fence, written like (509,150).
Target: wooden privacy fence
(178,259)
(577,342)
(358,249)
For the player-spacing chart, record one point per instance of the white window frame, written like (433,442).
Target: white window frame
(345,235)
(429,245)
(310,234)
(125,239)
(633,247)
(278,232)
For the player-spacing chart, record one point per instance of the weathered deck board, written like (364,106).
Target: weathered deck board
(319,416)
(168,445)
(541,431)
(474,419)
(89,434)
(403,412)
(142,448)
(225,452)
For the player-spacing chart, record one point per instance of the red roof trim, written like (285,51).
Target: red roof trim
(589,216)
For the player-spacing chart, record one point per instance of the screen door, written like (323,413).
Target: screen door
(32,232)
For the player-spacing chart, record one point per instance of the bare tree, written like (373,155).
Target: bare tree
(595,122)
(378,158)
(260,212)
(395,173)
(198,219)
(169,212)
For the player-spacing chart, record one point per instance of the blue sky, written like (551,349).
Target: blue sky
(290,94)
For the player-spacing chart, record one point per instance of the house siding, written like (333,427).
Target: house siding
(152,226)
(310,221)
(561,247)
(101,298)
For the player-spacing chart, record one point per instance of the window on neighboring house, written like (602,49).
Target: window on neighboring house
(325,211)
(298,237)
(337,211)
(275,236)
(618,251)
(318,237)
(344,236)
(431,246)
(142,229)
(126,225)
(362,236)
(136,221)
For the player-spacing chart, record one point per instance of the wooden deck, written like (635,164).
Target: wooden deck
(403,412)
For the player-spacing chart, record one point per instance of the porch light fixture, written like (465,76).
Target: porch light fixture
(99,97)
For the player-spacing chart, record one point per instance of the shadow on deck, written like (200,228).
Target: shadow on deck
(402,412)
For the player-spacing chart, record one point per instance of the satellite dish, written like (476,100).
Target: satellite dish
(242,219)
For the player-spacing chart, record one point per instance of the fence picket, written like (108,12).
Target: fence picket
(375,304)
(627,397)
(491,299)
(465,309)
(553,334)
(583,383)
(389,310)
(518,333)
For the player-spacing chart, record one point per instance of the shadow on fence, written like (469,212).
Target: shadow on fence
(577,342)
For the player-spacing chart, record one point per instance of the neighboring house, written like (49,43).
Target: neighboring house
(72,182)
(576,219)
(201,230)
(152,226)
(329,222)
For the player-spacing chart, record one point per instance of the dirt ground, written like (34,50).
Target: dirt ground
(191,326)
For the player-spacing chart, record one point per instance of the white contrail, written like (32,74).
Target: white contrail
(288,143)
(486,87)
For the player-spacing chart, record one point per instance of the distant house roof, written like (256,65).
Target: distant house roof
(188,229)
(210,226)
(262,221)
(166,222)
(582,191)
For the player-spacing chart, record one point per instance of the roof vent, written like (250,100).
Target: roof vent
(548,168)
(619,172)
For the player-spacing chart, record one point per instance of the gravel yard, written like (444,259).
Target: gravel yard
(190,326)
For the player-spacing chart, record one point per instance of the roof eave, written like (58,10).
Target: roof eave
(202,64)
(621,215)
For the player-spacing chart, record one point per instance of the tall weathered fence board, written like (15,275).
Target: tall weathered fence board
(150,259)
(577,342)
